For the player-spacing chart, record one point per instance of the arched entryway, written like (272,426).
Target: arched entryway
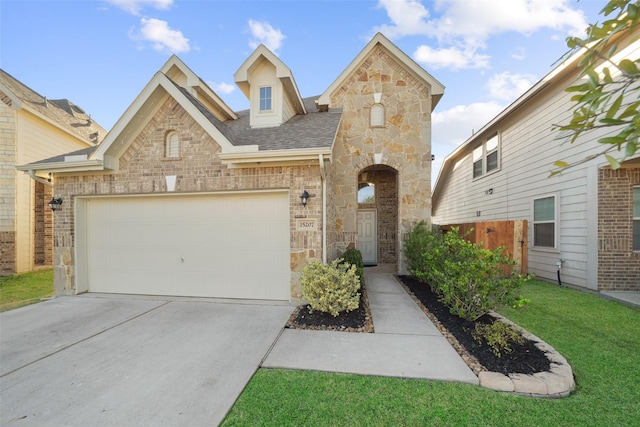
(378,214)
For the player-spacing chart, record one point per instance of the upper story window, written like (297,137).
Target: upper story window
(366,192)
(636,219)
(377,115)
(265,98)
(544,222)
(172,145)
(486,157)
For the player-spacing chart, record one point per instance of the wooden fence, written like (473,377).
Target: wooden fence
(492,234)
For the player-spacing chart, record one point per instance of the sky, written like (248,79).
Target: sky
(100,54)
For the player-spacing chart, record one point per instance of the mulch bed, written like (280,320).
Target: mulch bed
(524,358)
(358,320)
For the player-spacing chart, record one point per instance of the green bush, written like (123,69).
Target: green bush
(354,257)
(468,278)
(498,335)
(331,288)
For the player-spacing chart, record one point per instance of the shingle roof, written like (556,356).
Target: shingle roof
(312,130)
(60,158)
(62,111)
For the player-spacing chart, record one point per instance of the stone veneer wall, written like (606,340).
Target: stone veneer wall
(404,143)
(198,169)
(7,187)
(618,265)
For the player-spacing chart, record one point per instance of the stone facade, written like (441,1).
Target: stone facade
(143,167)
(403,144)
(618,264)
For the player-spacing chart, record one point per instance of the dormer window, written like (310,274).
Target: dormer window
(265,98)
(172,145)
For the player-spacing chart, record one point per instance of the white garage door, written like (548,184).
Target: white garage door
(226,246)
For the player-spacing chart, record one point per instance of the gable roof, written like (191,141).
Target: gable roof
(61,113)
(436,89)
(283,73)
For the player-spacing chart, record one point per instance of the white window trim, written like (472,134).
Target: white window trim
(485,155)
(260,110)
(633,218)
(556,225)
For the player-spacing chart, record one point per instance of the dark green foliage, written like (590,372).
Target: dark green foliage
(468,278)
(354,257)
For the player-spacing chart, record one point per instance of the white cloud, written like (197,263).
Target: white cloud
(264,33)
(408,17)
(134,6)
(507,87)
(452,58)
(463,27)
(162,37)
(224,88)
(455,125)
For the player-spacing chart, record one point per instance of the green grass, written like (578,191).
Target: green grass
(599,338)
(24,289)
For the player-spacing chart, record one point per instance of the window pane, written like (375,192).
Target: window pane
(477,153)
(636,235)
(492,161)
(636,202)
(477,168)
(172,145)
(366,193)
(544,209)
(265,98)
(492,143)
(543,235)
(377,115)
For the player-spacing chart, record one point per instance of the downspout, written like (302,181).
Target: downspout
(33,176)
(324,208)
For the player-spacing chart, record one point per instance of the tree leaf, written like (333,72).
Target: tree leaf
(628,67)
(612,162)
(613,110)
(630,149)
(613,140)
(560,164)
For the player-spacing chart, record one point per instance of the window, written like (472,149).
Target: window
(265,98)
(377,115)
(172,145)
(366,192)
(544,222)
(485,157)
(636,219)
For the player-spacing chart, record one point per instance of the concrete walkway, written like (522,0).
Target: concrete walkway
(405,343)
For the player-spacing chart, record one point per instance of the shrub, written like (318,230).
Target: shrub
(498,335)
(331,288)
(354,257)
(422,250)
(468,278)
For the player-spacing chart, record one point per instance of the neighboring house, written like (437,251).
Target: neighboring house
(187,197)
(32,128)
(587,219)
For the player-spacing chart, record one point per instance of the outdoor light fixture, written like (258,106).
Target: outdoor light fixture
(54,204)
(304,197)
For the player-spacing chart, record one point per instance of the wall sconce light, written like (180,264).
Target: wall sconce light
(304,197)
(54,204)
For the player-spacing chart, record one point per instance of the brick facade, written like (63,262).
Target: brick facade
(198,170)
(618,264)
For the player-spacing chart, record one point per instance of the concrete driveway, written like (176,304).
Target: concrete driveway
(115,360)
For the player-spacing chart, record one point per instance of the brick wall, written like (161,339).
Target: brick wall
(198,169)
(618,265)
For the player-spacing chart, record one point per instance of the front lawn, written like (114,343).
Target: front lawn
(24,289)
(599,338)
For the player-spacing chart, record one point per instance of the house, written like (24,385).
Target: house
(583,225)
(187,197)
(31,128)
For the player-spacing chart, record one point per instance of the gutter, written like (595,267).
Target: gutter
(36,178)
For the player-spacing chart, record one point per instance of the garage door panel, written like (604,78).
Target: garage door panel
(215,246)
